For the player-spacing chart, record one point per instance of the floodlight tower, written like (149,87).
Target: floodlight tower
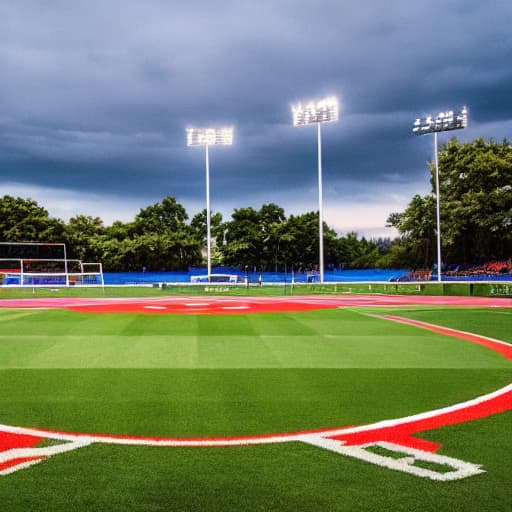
(442,122)
(317,112)
(209,137)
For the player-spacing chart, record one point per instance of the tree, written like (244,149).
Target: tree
(476,207)
(158,239)
(198,232)
(23,220)
(168,215)
(267,240)
(301,248)
(82,234)
(244,239)
(273,226)
(476,199)
(417,225)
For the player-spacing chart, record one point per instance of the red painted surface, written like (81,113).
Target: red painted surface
(230,305)
(402,434)
(239,306)
(9,441)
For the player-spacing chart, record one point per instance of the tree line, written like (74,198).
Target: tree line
(476,212)
(161,237)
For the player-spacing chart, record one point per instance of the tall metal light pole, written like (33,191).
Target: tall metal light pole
(209,137)
(442,122)
(317,112)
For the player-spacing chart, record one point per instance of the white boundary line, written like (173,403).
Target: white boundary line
(250,440)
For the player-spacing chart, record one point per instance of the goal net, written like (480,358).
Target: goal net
(41,264)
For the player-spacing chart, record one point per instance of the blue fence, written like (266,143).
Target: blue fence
(117,278)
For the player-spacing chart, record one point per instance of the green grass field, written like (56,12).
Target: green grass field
(193,375)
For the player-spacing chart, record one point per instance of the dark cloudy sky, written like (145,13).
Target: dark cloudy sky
(95,96)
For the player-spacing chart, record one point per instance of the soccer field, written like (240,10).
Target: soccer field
(144,375)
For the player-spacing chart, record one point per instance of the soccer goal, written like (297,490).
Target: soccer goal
(38,264)
(215,278)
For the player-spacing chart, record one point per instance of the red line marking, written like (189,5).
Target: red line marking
(498,346)
(402,434)
(400,431)
(9,441)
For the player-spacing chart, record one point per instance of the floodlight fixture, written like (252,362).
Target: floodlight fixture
(442,122)
(209,137)
(311,112)
(317,112)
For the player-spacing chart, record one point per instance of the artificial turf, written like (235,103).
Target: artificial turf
(229,402)
(246,374)
(492,322)
(234,374)
(289,477)
(335,338)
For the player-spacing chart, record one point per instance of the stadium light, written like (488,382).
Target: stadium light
(209,137)
(442,122)
(317,112)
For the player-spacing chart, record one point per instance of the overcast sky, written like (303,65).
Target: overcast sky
(95,97)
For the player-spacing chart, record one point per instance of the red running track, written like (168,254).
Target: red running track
(234,305)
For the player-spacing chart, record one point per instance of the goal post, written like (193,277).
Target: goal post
(40,264)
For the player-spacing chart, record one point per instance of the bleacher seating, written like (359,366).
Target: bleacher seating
(490,270)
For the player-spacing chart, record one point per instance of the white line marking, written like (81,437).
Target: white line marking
(242,441)
(460,468)
(43,453)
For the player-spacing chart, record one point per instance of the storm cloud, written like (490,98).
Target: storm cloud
(95,97)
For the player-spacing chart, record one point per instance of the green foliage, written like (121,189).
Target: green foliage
(476,207)
(159,238)
(476,196)
(265,239)
(82,233)
(244,238)
(23,220)
(417,224)
(167,216)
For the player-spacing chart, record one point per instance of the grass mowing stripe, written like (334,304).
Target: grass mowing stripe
(327,339)
(320,351)
(61,322)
